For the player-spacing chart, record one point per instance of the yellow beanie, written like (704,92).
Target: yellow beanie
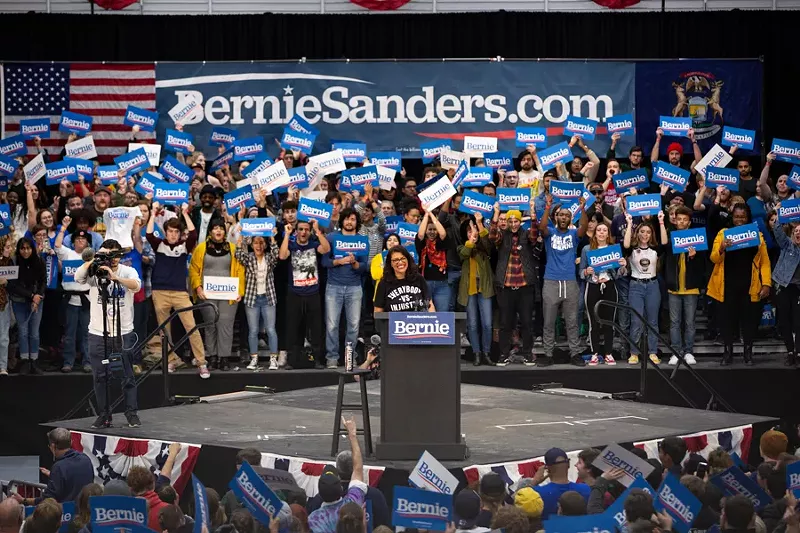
(529,501)
(514,213)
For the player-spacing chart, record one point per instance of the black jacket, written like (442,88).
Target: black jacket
(526,255)
(695,269)
(772,514)
(68,476)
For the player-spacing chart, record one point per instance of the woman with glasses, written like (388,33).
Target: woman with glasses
(402,287)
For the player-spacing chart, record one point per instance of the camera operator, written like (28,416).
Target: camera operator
(120,283)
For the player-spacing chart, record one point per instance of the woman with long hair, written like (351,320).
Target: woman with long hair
(402,287)
(376,265)
(6,249)
(83,513)
(351,519)
(432,243)
(476,287)
(600,286)
(27,299)
(643,294)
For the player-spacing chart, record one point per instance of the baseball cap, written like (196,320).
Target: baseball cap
(467,507)
(208,189)
(103,189)
(81,234)
(529,501)
(330,485)
(117,487)
(493,485)
(555,456)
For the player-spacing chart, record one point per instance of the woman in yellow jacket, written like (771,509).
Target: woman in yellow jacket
(740,280)
(216,257)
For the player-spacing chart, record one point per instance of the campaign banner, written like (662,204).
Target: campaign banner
(582,127)
(422,328)
(298,178)
(13,146)
(220,288)
(132,162)
(432,149)
(295,140)
(60,171)
(675,177)
(83,148)
(354,152)
(257,167)
(312,209)
(602,259)
(108,174)
(34,170)
(344,245)
(393,160)
(147,184)
(301,125)
(503,160)
(85,168)
(274,176)
(407,232)
(461,173)
(789,211)
(449,159)
(74,123)
(247,149)
(709,92)
(622,124)
(793,478)
(558,153)
(715,157)
(202,517)
(110,514)
(614,455)
(224,159)
(5,220)
(223,137)
(9,272)
(477,146)
(474,202)
(675,126)
(525,136)
(793,179)
(422,509)
(145,119)
(644,204)
(566,192)
(744,139)
(630,180)
(391,224)
(430,474)
(173,169)
(788,151)
(8,166)
(171,193)
(255,494)
(478,177)
(3,183)
(68,269)
(438,192)
(682,240)
(617,510)
(179,142)
(436,101)
(386,177)
(35,127)
(187,110)
(598,523)
(744,236)
(258,227)
(678,502)
(242,196)
(734,482)
(510,198)
(726,177)
(329,162)
(360,176)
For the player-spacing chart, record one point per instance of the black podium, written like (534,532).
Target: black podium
(420,397)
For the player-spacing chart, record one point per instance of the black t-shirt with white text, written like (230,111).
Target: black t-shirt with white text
(402,295)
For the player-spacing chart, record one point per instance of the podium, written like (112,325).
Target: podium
(420,387)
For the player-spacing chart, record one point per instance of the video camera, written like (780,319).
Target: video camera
(103,259)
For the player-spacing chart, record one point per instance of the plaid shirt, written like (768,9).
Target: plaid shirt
(250,263)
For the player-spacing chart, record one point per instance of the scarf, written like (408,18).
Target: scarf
(217,249)
(436,257)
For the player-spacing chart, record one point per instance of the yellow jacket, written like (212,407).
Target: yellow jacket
(196,270)
(760,272)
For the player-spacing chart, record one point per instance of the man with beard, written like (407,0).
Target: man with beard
(205,213)
(102,201)
(675,153)
(527,177)
(747,184)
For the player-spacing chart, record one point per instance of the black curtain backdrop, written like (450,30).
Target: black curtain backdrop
(609,35)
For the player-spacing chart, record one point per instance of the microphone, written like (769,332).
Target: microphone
(87,255)
(375,339)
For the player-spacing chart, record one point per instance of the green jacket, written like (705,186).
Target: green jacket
(481,253)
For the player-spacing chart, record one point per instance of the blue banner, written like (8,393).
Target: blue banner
(407,232)
(734,482)
(744,139)
(178,142)
(223,137)
(582,127)
(247,149)
(234,200)
(298,177)
(68,269)
(86,168)
(343,245)
(391,160)
(478,177)
(61,170)
(359,177)
(255,494)
(678,502)
(793,478)
(136,116)
(474,202)
(682,240)
(644,204)
(430,150)
(606,258)
(789,210)
(744,236)
(525,136)
(600,523)
(617,511)
(147,184)
(392,223)
(727,177)
(575,207)
(75,123)
(8,166)
(566,192)
(436,101)
(461,173)
(202,518)
(133,162)
(173,169)
(13,146)
(259,164)
(5,219)
(171,193)
(295,140)
(112,514)
(559,153)
(710,92)
(67,514)
(301,125)
(622,124)
(108,174)
(422,509)
(312,209)
(224,159)
(258,227)
(353,152)
(509,199)
(675,177)
(503,159)
(675,126)
(788,151)
(630,180)
(35,127)
(4,184)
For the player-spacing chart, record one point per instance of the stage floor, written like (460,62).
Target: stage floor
(499,425)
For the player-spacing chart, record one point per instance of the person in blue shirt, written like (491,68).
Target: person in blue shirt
(555,469)
(560,290)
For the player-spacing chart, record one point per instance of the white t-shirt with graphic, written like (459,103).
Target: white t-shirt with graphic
(643,263)
(117,292)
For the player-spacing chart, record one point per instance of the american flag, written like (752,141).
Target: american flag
(102,91)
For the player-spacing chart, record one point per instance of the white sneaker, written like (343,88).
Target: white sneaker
(253,363)
(689,358)
(282,359)
(464,341)
(673,360)
(273,362)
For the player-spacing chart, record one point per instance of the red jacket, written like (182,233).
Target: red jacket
(154,505)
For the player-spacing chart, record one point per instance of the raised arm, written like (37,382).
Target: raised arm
(439,228)
(324,246)
(656,146)
(626,240)
(698,155)
(763,179)
(283,253)
(543,229)
(584,222)
(423,226)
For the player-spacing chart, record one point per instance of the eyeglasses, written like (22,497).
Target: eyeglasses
(597,193)
(398,260)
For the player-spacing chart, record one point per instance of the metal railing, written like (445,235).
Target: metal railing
(669,378)
(167,346)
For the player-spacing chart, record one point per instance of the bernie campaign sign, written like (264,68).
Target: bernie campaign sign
(675,126)
(525,136)
(391,160)
(682,240)
(422,328)
(788,151)
(509,198)
(474,202)
(744,236)
(503,160)
(255,494)
(173,169)
(744,139)
(721,176)
(582,127)
(617,511)
(432,149)
(622,124)
(421,509)
(115,514)
(136,116)
(734,482)
(789,210)
(606,258)
(179,142)
(630,180)
(344,245)
(644,204)
(247,149)
(308,210)
(258,227)
(678,502)
(35,127)
(675,177)
(559,153)
(222,137)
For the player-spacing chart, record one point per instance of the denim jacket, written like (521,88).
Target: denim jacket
(788,260)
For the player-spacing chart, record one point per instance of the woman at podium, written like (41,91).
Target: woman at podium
(402,287)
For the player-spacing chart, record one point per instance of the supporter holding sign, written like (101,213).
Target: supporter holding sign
(620,125)
(526,136)
(724,177)
(476,287)
(432,243)
(144,119)
(422,509)
(555,470)
(630,180)
(675,151)
(676,500)
(740,280)
(787,290)
(740,138)
(582,127)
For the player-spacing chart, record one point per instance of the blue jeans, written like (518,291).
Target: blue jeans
(479,323)
(261,314)
(28,323)
(102,374)
(5,327)
(646,299)
(440,294)
(682,306)
(336,298)
(453,279)
(77,328)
